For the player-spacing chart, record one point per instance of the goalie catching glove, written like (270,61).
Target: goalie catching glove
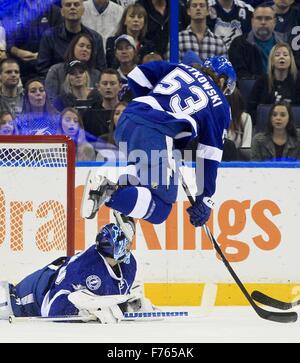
(108,308)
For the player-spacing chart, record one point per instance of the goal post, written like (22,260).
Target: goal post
(37,202)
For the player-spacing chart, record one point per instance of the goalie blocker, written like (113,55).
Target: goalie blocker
(105,270)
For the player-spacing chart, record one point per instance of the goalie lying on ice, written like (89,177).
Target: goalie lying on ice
(98,279)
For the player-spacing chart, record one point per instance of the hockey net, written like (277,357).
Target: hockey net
(36,202)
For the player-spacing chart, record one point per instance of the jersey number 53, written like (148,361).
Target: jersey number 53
(173,83)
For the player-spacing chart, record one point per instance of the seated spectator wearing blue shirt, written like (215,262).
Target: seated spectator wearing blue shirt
(38,117)
(279,141)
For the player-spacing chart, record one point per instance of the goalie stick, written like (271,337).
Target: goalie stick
(280,317)
(274,303)
(128,316)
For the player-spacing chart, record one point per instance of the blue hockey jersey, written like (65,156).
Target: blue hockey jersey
(46,291)
(183,103)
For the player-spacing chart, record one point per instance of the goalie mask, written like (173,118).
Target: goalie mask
(111,242)
(222,67)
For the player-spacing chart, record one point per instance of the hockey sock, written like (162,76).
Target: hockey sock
(138,202)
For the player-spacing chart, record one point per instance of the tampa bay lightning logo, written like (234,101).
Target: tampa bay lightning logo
(93,282)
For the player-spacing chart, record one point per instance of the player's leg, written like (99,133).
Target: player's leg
(140,203)
(150,200)
(98,188)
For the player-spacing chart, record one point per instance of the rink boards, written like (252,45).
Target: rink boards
(255,221)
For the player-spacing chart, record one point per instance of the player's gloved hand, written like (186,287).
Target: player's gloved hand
(200,211)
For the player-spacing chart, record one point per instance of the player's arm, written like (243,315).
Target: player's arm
(209,155)
(143,78)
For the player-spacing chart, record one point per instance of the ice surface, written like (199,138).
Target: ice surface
(218,324)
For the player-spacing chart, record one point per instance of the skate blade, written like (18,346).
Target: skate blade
(87,205)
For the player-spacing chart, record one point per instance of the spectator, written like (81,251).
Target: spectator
(197,37)
(279,142)
(7,124)
(240,131)
(38,117)
(55,41)
(24,27)
(116,113)
(230,18)
(249,53)
(11,94)
(108,150)
(126,56)
(81,48)
(96,121)
(103,16)
(134,22)
(2,37)
(3,54)
(287,16)
(70,124)
(76,91)
(281,83)
(158,26)
(288,20)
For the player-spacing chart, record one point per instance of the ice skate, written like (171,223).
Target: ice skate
(127,224)
(98,189)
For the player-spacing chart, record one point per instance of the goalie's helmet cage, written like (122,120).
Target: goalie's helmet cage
(111,242)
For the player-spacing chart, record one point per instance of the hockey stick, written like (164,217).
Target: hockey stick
(280,317)
(274,303)
(132,316)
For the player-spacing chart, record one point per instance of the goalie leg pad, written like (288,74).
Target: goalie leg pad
(5,304)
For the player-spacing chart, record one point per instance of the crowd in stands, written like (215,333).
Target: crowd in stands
(64,67)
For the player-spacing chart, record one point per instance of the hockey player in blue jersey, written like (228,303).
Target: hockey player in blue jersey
(173,104)
(103,271)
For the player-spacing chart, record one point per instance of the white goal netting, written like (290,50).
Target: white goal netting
(36,192)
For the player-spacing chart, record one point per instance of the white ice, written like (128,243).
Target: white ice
(218,324)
